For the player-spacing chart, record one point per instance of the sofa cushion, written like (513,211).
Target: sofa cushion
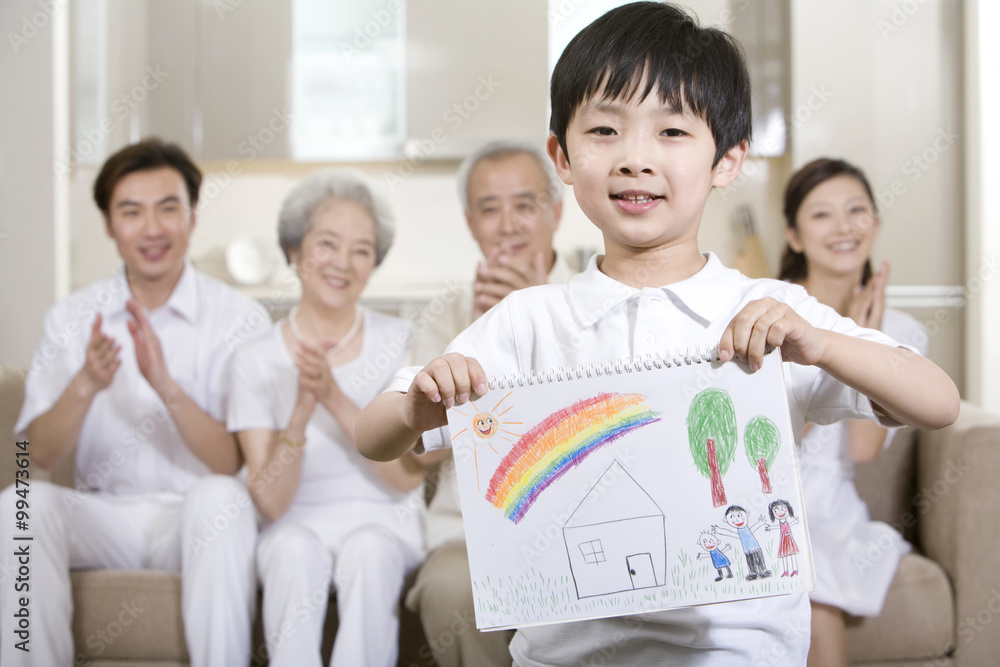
(11,398)
(917,620)
(122,614)
(888,485)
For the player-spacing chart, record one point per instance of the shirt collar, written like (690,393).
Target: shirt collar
(706,294)
(183,300)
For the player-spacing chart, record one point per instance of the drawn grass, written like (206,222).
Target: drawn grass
(531,597)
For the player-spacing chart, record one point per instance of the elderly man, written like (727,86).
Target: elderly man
(130,378)
(513,202)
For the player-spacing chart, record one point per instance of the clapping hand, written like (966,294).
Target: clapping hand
(102,359)
(503,274)
(148,351)
(868,303)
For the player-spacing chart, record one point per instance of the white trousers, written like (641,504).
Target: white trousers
(364,550)
(208,534)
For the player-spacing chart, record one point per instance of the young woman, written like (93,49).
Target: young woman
(832,223)
(331,516)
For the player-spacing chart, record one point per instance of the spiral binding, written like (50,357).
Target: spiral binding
(646,362)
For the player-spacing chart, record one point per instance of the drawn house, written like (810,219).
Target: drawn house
(616,538)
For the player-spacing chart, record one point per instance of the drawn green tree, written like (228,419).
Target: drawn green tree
(761,441)
(712,433)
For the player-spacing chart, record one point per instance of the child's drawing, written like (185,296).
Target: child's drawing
(594,509)
(616,538)
(762,442)
(485,425)
(788,550)
(709,541)
(712,431)
(559,442)
(738,518)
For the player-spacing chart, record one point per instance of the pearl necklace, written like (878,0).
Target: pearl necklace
(355,328)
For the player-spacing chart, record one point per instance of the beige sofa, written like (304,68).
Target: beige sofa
(941,488)
(108,634)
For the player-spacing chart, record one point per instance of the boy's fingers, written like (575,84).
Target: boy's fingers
(461,381)
(766,330)
(477,377)
(426,385)
(726,351)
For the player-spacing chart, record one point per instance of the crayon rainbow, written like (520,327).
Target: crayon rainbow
(562,440)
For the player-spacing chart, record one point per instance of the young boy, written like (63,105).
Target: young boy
(649,113)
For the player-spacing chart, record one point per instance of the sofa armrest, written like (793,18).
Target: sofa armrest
(958,495)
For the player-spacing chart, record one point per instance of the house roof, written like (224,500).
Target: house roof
(615,497)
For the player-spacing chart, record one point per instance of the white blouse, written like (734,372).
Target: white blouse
(265,387)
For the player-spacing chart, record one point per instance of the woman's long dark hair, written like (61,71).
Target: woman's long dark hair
(793,264)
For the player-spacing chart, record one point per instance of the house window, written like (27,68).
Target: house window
(592,551)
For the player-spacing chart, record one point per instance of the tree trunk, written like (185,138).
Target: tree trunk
(765,480)
(718,492)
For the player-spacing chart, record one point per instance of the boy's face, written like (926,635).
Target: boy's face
(642,172)
(150,219)
(736,518)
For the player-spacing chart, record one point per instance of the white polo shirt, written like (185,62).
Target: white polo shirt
(129,443)
(596,318)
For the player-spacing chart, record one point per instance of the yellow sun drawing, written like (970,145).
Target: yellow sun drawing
(485,425)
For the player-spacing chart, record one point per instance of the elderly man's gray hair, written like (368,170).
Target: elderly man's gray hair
(502,149)
(301,204)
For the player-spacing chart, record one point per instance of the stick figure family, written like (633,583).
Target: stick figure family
(782,518)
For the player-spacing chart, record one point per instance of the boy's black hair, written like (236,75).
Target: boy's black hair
(734,508)
(779,501)
(694,68)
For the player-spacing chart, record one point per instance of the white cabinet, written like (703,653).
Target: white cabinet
(476,72)
(471,72)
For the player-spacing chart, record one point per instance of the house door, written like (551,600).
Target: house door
(640,568)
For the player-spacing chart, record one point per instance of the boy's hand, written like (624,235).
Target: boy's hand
(446,381)
(766,322)
(868,303)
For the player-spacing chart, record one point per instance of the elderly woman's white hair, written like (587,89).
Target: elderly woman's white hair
(502,149)
(296,217)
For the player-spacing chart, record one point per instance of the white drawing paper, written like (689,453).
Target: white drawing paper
(630,491)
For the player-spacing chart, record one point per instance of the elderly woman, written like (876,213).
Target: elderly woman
(331,516)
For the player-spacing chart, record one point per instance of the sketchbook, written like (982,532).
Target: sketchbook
(627,487)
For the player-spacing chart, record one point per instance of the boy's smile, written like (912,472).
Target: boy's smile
(642,172)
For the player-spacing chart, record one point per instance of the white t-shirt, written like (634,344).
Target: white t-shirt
(128,442)
(265,386)
(595,318)
(443,520)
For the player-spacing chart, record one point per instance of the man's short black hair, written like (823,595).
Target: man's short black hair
(150,153)
(693,68)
